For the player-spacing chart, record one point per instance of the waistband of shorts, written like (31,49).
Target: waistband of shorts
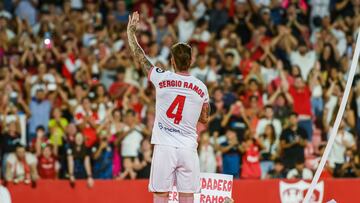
(175,147)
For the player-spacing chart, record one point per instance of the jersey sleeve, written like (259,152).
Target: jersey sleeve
(156,74)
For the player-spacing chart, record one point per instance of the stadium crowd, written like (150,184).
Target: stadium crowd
(75,105)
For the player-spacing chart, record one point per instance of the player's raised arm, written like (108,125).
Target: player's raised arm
(136,50)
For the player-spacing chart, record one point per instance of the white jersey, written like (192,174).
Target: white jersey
(179,101)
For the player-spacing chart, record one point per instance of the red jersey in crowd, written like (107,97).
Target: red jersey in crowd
(88,131)
(302,100)
(247,96)
(250,163)
(47,167)
(257,54)
(245,66)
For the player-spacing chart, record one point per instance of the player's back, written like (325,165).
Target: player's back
(179,101)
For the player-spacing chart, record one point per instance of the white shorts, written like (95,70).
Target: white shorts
(174,166)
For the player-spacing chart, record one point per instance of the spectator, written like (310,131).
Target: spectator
(292,142)
(201,35)
(278,171)
(171,9)
(279,100)
(301,101)
(118,88)
(42,80)
(237,120)
(9,140)
(40,108)
(185,25)
(57,126)
(26,10)
(40,140)
(102,154)
(269,151)
(218,16)
(217,105)
(78,161)
(228,68)
(269,119)
(116,126)
(300,172)
(91,14)
(315,84)
(253,113)
(87,120)
(230,150)
(121,13)
(48,166)
(203,72)
(130,144)
(351,167)
(251,159)
(332,101)
(207,155)
(142,163)
(303,58)
(253,90)
(161,29)
(21,166)
(343,140)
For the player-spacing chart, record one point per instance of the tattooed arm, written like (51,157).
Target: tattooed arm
(136,50)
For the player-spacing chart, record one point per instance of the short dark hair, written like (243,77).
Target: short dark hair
(181,53)
(254,80)
(130,112)
(40,127)
(254,97)
(268,106)
(229,54)
(18,145)
(278,161)
(299,162)
(293,114)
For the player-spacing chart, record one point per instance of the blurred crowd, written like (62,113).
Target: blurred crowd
(75,105)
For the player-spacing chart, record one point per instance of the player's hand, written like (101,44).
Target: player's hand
(133,22)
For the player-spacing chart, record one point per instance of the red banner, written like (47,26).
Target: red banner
(342,190)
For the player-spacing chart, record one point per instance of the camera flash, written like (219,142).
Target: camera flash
(47,41)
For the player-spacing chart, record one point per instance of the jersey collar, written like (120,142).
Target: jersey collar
(183,73)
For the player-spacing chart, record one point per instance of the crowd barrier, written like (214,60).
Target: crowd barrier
(244,191)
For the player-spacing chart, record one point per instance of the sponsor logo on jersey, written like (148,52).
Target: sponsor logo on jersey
(295,192)
(172,130)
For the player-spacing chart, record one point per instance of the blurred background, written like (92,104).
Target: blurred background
(74,104)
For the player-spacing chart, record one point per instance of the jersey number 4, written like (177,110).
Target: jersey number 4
(177,104)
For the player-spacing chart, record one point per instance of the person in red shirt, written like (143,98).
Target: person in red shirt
(299,95)
(118,88)
(251,159)
(87,120)
(257,41)
(245,63)
(47,163)
(253,89)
